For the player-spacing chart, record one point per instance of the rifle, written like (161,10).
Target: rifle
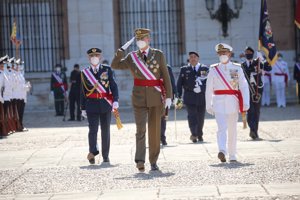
(66,109)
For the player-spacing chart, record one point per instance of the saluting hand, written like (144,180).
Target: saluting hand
(127,44)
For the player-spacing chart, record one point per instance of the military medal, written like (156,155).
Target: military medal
(155,70)
(154,62)
(151,66)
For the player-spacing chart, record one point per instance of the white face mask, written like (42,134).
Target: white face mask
(58,70)
(223,58)
(95,61)
(141,44)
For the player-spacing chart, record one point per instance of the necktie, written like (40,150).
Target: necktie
(195,70)
(144,56)
(95,70)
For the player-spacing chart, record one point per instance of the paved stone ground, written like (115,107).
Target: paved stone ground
(49,162)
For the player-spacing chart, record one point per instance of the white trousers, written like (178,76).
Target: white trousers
(265,99)
(227,122)
(280,94)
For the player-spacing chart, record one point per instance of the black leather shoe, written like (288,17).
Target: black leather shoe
(221,156)
(91,158)
(200,139)
(71,119)
(193,139)
(140,166)
(164,143)
(154,167)
(252,135)
(105,159)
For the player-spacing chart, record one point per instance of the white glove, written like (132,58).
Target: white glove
(260,56)
(83,114)
(1,100)
(127,44)
(246,107)
(115,105)
(175,101)
(210,110)
(168,103)
(52,93)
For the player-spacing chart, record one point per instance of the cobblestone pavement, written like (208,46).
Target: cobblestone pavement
(49,161)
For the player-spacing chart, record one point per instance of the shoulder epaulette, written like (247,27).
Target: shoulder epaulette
(184,66)
(237,64)
(105,65)
(153,49)
(214,65)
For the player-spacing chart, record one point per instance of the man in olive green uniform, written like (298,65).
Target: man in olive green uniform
(151,93)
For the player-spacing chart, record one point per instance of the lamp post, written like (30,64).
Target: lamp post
(224,14)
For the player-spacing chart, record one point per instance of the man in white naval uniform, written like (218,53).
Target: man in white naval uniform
(267,80)
(227,93)
(280,79)
(8,95)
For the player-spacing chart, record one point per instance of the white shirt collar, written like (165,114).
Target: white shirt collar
(147,51)
(97,67)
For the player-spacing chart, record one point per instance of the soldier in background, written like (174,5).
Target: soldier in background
(297,77)
(280,79)
(59,89)
(3,119)
(192,78)
(74,95)
(163,138)
(8,96)
(21,89)
(253,70)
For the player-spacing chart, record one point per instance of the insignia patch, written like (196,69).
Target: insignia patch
(104,76)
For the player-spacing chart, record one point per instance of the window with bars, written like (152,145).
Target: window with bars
(40,24)
(163,17)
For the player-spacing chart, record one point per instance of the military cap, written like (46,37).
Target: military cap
(223,47)
(11,60)
(140,33)
(249,49)
(4,59)
(195,53)
(93,51)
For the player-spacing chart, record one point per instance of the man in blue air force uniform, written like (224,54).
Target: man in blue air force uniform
(99,95)
(192,79)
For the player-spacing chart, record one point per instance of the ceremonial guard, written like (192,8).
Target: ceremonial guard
(297,78)
(267,82)
(99,95)
(227,93)
(280,80)
(3,119)
(151,93)
(164,119)
(192,78)
(8,96)
(20,91)
(59,89)
(74,95)
(253,70)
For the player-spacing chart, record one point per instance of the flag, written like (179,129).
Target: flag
(15,35)
(297,14)
(265,40)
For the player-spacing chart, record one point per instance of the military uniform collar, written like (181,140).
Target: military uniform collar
(97,67)
(147,51)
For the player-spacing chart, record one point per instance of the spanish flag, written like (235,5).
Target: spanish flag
(297,14)
(265,40)
(15,36)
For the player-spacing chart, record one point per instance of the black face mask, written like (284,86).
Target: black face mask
(249,56)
